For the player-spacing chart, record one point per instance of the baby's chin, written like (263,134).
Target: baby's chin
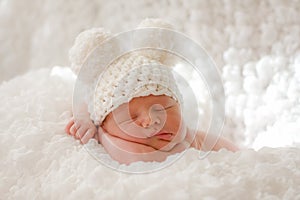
(166,147)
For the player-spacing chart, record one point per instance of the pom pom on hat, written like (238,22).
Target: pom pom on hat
(89,39)
(85,42)
(160,56)
(155,22)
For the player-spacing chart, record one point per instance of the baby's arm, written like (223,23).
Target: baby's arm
(224,143)
(126,152)
(81,126)
(217,143)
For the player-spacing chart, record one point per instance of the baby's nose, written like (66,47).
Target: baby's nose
(149,120)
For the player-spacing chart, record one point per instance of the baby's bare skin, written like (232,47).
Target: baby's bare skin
(145,129)
(82,129)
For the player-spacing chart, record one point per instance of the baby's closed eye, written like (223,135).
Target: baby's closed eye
(159,107)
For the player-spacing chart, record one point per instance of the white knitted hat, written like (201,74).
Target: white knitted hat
(132,75)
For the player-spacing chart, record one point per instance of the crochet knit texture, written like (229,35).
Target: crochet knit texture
(132,75)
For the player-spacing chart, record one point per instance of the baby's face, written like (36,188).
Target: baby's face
(153,121)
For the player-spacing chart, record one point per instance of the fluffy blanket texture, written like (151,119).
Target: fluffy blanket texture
(254,43)
(38,160)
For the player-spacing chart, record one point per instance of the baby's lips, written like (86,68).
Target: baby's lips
(159,133)
(164,135)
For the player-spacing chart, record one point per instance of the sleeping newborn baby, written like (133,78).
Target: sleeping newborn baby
(136,110)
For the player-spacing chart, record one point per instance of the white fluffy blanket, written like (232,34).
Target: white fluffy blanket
(39,161)
(255,44)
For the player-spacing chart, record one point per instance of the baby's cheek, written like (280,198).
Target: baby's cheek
(173,122)
(109,125)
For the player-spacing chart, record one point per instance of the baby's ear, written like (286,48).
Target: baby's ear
(84,43)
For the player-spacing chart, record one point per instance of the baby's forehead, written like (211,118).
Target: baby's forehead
(145,102)
(152,99)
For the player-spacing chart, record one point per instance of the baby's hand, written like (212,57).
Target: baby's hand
(83,129)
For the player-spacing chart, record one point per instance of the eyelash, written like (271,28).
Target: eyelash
(165,108)
(134,117)
(130,120)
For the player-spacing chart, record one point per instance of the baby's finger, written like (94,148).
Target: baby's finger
(73,130)
(80,132)
(78,123)
(69,125)
(87,136)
